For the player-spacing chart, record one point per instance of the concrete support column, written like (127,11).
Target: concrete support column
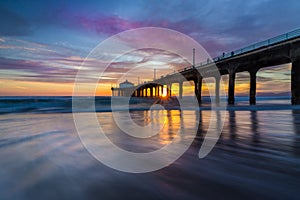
(198,89)
(151,91)
(168,92)
(134,93)
(199,97)
(217,89)
(252,94)
(158,90)
(162,89)
(170,89)
(180,89)
(231,87)
(295,82)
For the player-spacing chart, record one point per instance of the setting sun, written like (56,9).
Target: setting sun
(164,93)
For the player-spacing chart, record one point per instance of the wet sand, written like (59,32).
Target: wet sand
(257,157)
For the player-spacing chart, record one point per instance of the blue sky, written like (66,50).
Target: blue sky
(44,42)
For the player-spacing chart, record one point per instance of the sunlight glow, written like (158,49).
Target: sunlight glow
(164,94)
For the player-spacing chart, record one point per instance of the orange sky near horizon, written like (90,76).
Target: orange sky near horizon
(269,80)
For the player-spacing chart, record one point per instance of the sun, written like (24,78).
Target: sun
(164,93)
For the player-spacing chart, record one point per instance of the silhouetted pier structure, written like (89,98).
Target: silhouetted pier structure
(278,50)
(149,89)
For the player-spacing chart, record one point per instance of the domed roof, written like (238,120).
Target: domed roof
(126,84)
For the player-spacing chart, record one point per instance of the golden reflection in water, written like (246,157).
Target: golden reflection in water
(173,123)
(246,128)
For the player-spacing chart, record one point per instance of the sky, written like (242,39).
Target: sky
(43,43)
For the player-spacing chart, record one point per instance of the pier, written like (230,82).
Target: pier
(278,50)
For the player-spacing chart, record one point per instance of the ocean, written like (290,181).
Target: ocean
(256,157)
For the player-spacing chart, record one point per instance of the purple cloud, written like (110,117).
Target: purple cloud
(106,24)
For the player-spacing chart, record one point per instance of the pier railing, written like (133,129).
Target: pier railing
(265,43)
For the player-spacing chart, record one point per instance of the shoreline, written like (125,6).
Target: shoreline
(10,105)
(225,108)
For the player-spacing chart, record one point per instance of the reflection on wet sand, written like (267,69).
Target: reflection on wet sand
(296,123)
(242,129)
(255,128)
(258,157)
(172,123)
(232,124)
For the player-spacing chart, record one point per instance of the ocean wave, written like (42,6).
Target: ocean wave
(103,104)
